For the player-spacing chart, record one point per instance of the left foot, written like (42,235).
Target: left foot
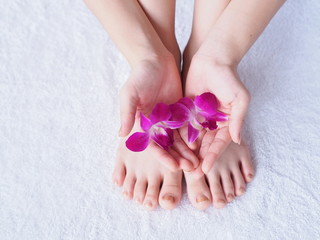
(226,179)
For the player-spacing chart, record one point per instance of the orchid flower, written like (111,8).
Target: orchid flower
(198,114)
(158,128)
(202,113)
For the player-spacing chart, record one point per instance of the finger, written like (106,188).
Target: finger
(184,150)
(206,143)
(183,163)
(128,107)
(238,112)
(164,157)
(217,147)
(196,173)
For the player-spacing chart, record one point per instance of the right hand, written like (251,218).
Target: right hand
(151,82)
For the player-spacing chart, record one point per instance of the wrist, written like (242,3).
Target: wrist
(216,60)
(152,57)
(221,49)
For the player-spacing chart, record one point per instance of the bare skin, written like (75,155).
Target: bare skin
(225,180)
(222,33)
(228,174)
(142,175)
(147,177)
(220,37)
(145,180)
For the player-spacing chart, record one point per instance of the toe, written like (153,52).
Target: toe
(140,190)
(170,193)
(239,182)
(119,173)
(152,194)
(198,192)
(247,168)
(218,197)
(227,185)
(128,186)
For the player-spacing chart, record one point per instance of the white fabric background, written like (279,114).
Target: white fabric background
(59,79)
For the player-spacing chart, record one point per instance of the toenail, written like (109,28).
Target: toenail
(221,201)
(250,176)
(168,197)
(138,200)
(231,196)
(202,198)
(148,204)
(125,194)
(116,182)
(242,190)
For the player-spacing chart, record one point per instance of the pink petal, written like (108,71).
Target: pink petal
(164,140)
(138,141)
(210,124)
(161,112)
(192,133)
(179,115)
(187,102)
(220,117)
(207,102)
(145,123)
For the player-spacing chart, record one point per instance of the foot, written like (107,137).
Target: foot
(144,179)
(226,179)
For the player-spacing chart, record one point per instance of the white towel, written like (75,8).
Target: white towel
(59,80)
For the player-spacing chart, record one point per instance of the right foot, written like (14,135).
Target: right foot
(144,179)
(226,179)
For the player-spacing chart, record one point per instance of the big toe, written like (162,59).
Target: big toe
(198,191)
(171,190)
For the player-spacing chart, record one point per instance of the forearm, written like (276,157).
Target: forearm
(238,28)
(129,28)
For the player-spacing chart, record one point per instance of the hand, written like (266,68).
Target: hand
(151,82)
(206,75)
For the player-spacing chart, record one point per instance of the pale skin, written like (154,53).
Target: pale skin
(222,33)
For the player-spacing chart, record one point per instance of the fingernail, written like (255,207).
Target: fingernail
(168,197)
(201,198)
(188,170)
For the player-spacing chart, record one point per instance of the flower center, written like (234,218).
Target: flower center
(158,129)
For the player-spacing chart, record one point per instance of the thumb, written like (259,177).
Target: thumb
(238,112)
(128,108)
